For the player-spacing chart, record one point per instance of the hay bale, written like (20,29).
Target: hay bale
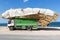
(49,18)
(44,23)
(55,16)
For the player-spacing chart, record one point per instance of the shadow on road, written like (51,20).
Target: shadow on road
(48,29)
(42,29)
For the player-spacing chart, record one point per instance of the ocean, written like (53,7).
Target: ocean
(3,24)
(55,24)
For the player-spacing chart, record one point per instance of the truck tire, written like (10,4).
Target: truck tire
(11,28)
(29,28)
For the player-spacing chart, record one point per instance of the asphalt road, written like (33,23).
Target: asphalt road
(28,37)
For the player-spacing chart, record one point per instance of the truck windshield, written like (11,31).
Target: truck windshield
(9,22)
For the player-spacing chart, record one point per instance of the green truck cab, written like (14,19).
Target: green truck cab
(22,23)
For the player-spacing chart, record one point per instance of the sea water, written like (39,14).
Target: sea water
(3,24)
(52,24)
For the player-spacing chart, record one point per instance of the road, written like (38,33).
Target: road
(28,37)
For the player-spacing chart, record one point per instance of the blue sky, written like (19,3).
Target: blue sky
(49,4)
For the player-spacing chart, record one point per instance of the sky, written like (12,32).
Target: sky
(48,4)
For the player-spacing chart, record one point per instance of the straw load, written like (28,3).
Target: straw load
(43,16)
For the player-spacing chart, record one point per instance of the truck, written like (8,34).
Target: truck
(22,23)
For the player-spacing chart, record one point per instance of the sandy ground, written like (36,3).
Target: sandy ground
(5,30)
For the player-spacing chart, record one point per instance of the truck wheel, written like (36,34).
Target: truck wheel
(29,28)
(11,28)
